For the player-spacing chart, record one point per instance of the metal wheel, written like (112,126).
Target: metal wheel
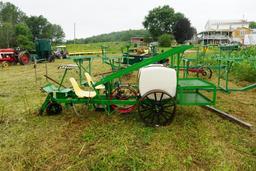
(24,58)
(53,108)
(5,64)
(204,72)
(123,93)
(157,108)
(51,58)
(79,109)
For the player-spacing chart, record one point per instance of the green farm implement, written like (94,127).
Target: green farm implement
(159,90)
(230,56)
(129,57)
(223,63)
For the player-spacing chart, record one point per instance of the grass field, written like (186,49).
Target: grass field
(197,139)
(113,47)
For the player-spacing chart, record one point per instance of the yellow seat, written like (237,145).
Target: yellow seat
(79,92)
(90,82)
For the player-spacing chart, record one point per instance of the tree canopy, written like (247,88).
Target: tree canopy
(183,31)
(164,20)
(19,30)
(253,25)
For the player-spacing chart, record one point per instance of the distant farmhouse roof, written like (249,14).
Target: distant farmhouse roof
(222,25)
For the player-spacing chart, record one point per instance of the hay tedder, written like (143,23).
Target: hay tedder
(11,56)
(159,90)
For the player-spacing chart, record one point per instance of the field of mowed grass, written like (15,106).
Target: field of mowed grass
(112,47)
(197,139)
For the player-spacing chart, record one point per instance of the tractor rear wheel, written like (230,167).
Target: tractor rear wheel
(24,58)
(157,108)
(53,108)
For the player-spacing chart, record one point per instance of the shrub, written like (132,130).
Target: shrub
(245,72)
(165,40)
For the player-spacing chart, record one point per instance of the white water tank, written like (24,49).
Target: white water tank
(157,77)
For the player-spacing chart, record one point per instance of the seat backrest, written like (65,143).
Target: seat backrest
(75,86)
(157,78)
(89,79)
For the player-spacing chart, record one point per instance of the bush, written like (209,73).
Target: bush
(165,40)
(245,72)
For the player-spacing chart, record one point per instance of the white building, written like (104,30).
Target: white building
(250,39)
(221,31)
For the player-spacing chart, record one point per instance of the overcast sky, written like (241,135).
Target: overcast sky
(93,17)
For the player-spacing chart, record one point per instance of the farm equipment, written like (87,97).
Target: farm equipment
(229,56)
(60,52)
(138,54)
(12,56)
(197,65)
(43,51)
(116,63)
(201,70)
(130,57)
(160,89)
(224,77)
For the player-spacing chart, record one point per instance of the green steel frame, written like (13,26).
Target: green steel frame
(79,60)
(225,60)
(189,91)
(228,56)
(228,63)
(113,62)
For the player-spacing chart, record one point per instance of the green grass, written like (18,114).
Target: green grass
(113,47)
(197,139)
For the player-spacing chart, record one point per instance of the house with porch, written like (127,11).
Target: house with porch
(224,31)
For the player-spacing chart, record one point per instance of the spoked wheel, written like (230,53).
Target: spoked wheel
(53,108)
(5,64)
(123,93)
(204,72)
(79,109)
(157,108)
(24,58)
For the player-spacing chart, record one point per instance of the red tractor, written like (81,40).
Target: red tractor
(11,56)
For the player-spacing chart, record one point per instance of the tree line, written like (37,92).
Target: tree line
(113,37)
(19,30)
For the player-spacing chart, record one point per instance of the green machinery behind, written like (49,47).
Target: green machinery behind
(229,56)
(222,64)
(43,50)
(129,57)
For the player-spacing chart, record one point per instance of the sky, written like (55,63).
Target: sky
(93,17)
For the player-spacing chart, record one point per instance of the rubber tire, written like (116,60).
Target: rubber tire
(24,58)
(53,108)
